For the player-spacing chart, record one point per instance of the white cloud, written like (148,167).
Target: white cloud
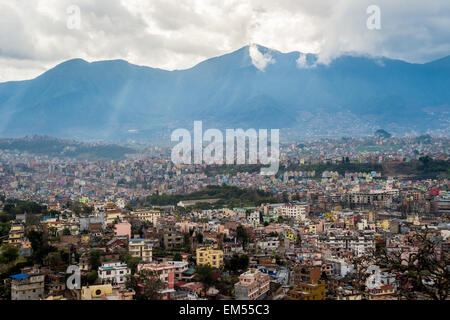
(178,34)
(302,63)
(259,60)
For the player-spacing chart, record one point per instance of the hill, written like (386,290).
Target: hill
(353,95)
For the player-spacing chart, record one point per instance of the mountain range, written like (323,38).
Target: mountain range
(352,95)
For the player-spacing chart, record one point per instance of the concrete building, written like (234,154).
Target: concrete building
(172,238)
(295,211)
(211,256)
(122,229)
(252,285)
(165,271)
(16,234)
(27,286)
(147,215)
(140,248)
(113,272)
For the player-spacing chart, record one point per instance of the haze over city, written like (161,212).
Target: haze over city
(224,155)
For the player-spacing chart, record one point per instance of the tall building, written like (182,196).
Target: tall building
(27,286)
(308,285)
(252,285)
(296,211)
(147,215)
(211,256)
(113,272)
(16,234)
(140,248)
(172,238)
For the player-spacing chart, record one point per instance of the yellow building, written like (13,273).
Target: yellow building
(211,256)
(147,215)
(141,249)
(383,224)
(88,293)
(107,292)
(312,228)
(307,291)
(16,234)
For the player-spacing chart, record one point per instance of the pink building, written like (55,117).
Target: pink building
(252,285)
(123,229)
(165,271)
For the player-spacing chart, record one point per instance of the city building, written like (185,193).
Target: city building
(113,272)
(211,256)
(141,249)
(27,286)
(252,285)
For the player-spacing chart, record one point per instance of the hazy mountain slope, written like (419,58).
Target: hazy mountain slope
(109,98)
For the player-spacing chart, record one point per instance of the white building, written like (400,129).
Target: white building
(113,272)
(296,211)
(254,218)
(270,244)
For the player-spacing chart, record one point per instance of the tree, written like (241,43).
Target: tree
(177,257)
(9,254)
(94,259)
(242,235)
(237,263)
(146,284)
(199,237)
(424,269)
(92,277)
(204,274)
(53,259)
(132,263)
(39,246)
(187,241)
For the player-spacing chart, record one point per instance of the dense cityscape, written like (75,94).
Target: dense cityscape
(197,159)
(142,228)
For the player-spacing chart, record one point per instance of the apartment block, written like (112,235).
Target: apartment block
(211,256)
(27,286)
(141,248)
(113,272)
(252,285)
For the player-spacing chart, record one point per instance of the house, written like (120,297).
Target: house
(141,249)
(106,292)
(113,272)
(122,229)
(165,271)
(211,256)
(252,285)
(27,286)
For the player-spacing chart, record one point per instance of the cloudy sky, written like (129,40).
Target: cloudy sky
(35,35)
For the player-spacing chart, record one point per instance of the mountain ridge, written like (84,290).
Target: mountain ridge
(107,99)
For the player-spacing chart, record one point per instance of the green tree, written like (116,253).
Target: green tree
(199,237)
(53,259)
(237,263)
(204,274)
(146,285)
(94,259)
(9,254)
(92,277)
(242,235)
(132,263)
(177,257)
